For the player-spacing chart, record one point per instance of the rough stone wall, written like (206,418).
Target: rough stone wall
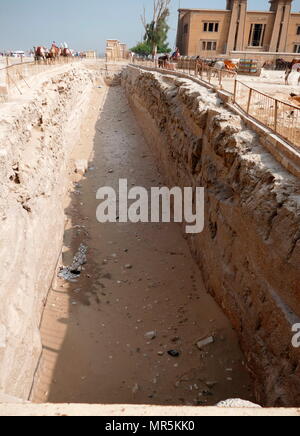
(36,137)
(249,252)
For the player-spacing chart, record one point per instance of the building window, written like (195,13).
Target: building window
(257,35)
(186,29)
(209,45)
(297,48)
(298,30)
(211,27)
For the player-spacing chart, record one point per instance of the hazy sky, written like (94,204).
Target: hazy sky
(86,24)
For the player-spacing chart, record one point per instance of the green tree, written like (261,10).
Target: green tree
(156,32)
(142,49)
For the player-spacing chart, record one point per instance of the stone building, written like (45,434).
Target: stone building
(115,50)
(91,54)
(237,30)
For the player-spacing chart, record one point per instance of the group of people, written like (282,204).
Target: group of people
(165,60)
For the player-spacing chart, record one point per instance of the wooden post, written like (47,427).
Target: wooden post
(276,116)
(235,91)
(249,100)
(7,73)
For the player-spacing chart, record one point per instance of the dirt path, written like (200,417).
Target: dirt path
(95,350)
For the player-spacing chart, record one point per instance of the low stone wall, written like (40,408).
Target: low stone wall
(249,251)
(36,137)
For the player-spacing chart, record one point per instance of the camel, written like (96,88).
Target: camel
(290,67)
(54,53)
(295,99)
(66,52)
(39,53)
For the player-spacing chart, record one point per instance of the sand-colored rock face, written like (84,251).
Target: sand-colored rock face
(36,137)
(249,252)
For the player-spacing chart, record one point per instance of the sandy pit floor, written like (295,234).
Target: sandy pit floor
(138,278)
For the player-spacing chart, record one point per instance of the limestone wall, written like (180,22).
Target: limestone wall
(36,137)
(249,252)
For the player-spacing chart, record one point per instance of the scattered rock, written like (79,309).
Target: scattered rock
(237,403)
(204,342)
(174,353)
(207,393)
(81,166)
(71,273)
(151,335)
(135,389)
(211,384)
(128,266)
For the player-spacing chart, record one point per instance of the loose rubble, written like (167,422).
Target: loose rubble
(71,273)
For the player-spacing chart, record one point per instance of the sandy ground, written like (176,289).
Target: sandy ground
(93,331)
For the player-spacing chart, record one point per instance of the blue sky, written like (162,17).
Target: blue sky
(86,24)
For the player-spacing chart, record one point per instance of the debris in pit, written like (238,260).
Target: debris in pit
(81,167)
(72,272)
(151,335)
(135,389)
(211,384)
(204,342)
(174,353)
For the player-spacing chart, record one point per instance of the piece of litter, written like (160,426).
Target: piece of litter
(151,335)
(204,342)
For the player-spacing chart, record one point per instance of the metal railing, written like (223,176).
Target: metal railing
(13,77)
(281,117)
(221,78)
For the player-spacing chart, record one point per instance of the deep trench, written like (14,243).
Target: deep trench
(93,330)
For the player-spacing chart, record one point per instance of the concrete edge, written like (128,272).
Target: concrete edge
(132,410)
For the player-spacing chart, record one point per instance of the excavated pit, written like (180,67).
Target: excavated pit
(128,280)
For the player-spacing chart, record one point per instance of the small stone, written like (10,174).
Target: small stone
(160,353)
(237,403)
(207,393)
(128,266)
(204,342)
(151,335)
(135,389)
(174,353)
(81,167)
(211,384)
